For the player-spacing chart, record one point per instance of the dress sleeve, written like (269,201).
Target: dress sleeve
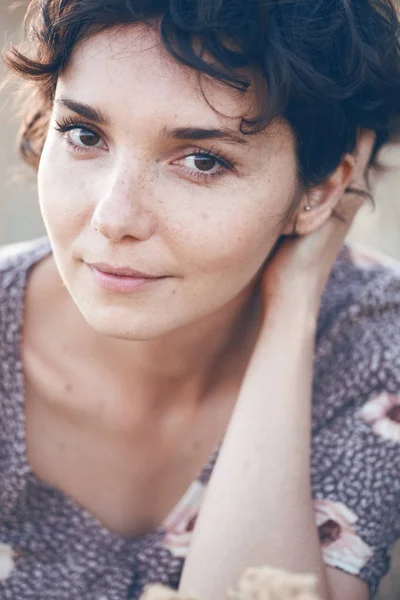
(355,461)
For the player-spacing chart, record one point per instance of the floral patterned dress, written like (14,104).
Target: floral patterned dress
(53,549)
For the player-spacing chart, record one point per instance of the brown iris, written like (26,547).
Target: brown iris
(89,138)
(204,162)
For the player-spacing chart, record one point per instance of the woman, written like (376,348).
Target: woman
(199,164)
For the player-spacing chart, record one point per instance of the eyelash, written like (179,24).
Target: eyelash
(69,124)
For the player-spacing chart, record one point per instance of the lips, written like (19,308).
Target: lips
(121,271)
(122,280)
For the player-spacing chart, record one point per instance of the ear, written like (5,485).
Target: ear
(321,200)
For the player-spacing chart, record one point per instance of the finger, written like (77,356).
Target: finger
(352,201)
(362,154)
(348,207)
(338,226)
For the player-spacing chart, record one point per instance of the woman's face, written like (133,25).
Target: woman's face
(159,182)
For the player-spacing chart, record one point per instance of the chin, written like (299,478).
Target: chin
(126,324)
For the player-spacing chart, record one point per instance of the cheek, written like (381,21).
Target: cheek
(61,194)
(227,244)
(228,231)
(233,237)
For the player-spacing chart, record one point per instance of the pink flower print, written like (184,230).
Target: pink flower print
(180,523)
(341,546)
(383,413)
(7,564)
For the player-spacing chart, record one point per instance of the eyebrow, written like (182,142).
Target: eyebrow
(178,133)
(84,110)
(200,133)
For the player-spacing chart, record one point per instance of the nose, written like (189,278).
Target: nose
(120,212)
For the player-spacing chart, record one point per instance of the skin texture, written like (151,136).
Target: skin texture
(135,199)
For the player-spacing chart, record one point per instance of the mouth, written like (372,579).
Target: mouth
(121,271)
(122,279)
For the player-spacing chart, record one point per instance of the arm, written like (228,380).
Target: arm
(266,478)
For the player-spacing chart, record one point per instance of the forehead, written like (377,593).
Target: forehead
(129,69)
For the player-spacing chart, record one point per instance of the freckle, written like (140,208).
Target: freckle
(68,387)
(205,217)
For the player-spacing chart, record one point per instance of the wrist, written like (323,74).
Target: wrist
(298,312)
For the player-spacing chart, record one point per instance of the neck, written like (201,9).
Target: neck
(186,363)
(179,367)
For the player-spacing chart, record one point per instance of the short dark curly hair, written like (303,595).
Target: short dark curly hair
(331,67)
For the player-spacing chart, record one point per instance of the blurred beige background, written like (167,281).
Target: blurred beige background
(20,218)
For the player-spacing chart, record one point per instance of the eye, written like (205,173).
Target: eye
(202,164)
(79,136)
(84,137)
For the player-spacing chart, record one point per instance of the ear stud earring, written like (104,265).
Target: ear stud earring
(307,207)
